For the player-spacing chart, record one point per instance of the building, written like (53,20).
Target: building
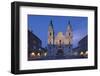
(83,46)
(82,49)
(33,41)
(61,44)
(35,50)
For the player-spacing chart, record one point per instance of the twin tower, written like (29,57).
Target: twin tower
(60,38)
(61,41)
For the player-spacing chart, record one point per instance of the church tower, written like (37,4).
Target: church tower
(51,34)
(69,34)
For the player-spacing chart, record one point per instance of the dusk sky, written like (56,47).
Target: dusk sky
(38,24)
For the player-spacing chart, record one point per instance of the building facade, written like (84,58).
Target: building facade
(82,49)
(83,46)
(33,41)
(35,49)
(61,44)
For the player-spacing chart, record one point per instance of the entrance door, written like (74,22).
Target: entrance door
(60,51)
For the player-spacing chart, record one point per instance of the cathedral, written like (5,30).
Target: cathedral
(60,44)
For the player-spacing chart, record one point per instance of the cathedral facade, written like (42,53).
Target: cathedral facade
(60,44)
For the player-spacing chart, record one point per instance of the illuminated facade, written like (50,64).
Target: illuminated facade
(61,43)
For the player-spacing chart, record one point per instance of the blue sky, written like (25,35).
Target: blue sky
(38,24)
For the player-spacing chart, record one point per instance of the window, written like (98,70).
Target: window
(50,33)
(69,34)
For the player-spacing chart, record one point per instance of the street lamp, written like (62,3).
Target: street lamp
(45,54)
(32,54)
(81,53)
(38,54)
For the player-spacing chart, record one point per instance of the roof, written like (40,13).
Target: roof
(33,35)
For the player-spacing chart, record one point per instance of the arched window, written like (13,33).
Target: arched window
(50,33)
(69,34)
(60,42)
